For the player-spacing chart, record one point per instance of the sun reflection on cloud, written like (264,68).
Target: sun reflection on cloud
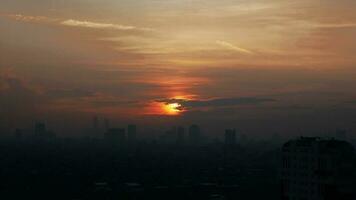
(172,108)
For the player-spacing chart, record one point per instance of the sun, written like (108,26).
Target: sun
(172,108)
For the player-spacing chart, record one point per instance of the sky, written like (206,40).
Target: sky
(279,65)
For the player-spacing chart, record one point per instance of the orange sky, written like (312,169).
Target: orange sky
(123,57)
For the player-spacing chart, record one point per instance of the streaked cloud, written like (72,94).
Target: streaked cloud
(218,102)
(233,47)
(20,96)
(28,18)
(339,25)
(75,23)
(69,93)
(95,25)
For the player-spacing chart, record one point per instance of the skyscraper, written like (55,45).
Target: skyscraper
(317,169)
(180,135)
(131,133)
(95,131)
(95,122)
(41,132)
(116,136)
(194,134)
(106,124)
(40,129)
(230,137)
(18,134)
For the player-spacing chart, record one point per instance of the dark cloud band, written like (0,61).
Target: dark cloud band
(221,102)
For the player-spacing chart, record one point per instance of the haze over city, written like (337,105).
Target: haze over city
(287,66)
(178,99)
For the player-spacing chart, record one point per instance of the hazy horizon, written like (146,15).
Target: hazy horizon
(263,67)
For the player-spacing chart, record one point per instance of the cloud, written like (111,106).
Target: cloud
(352,102)
(339,25)
(74,23)
(69,93)
(233,47)
(28,18)
(112,103)
(17,95)
(95,25)
(221,102)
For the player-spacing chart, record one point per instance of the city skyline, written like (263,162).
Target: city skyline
(178,99)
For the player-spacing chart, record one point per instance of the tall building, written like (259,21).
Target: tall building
(194,134)
(180,134)
(95,122)
(131,133)
(116,136)
(40,129)
(18,134)
(170,136)
(106,124)
(230,137)
(317,169)
(41,132)
(95,127)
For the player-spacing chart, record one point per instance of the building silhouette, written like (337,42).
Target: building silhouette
(41,133)
(230,137)
(317,169)
(116,136)
(18,134)
(132,133)
(40,129)
(95,122)
(194,134)
(106,124)
(170,136)
(180,134)
(95,132)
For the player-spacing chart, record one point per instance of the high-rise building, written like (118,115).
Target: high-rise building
(116,136)
(317,169)
(18,134)
(106,124)
(41,132)
(131,133)
(170,136)
(230,137)
(194,134)
(95,131)
(40,129)
(180,134)
(95,122)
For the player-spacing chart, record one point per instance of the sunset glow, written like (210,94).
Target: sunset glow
(199,59)
(172,108)
(152,99)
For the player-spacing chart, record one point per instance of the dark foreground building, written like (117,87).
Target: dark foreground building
(318,169)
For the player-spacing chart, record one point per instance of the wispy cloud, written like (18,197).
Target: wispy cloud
(339,25)
(28,18)
(233,47)
(95,25)
(353,102)
(74,23)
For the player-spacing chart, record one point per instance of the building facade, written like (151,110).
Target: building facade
(317,169)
